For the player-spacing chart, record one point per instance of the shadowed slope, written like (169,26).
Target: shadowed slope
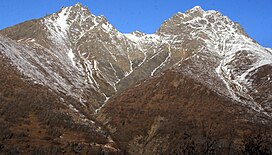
(166,112)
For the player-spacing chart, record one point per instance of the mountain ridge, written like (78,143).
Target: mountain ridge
(131,55)
(193,55)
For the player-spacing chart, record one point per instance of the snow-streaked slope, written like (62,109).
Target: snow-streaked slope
(231,54)
(84,56)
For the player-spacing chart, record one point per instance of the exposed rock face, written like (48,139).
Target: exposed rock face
(80,56)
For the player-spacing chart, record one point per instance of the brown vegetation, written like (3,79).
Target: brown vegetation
(35,120)
(173,114)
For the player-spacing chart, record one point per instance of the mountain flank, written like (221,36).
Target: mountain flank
(71,83)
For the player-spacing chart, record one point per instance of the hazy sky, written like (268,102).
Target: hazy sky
(255,16)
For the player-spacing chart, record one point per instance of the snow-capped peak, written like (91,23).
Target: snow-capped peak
(79,8)
(78,4)
(195,11)
(197,8)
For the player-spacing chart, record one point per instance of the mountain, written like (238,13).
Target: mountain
(174,114)
(144,90)
(37,120)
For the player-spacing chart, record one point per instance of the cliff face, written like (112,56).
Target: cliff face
(199,74)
